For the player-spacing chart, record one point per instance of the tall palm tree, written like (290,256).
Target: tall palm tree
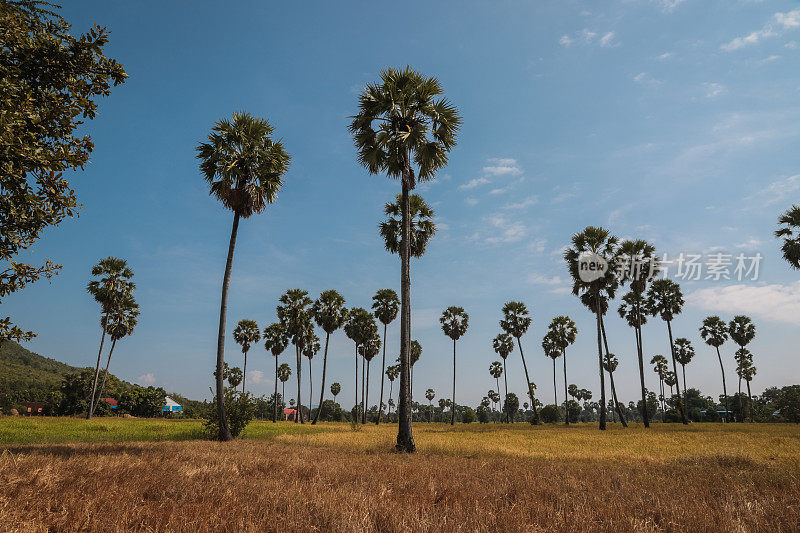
(110,291)
(641,265)
(665,299)
(430,394)
(591,248)
(742,332)
(284,373)
(715,332)
(403,130)
(684,352)
(564,334)
(454,321)
(660,367)
(120,324)
(421,222)
(330,314)
(357,329)
(310,348)
(552,351)
(503,345)
(244,168)
(746,371)
(276,341)
(385,305)
(496,370)
(515,322)
(392,372)
(368,351)
(416,353)
(670,380)
(336,388)
(790,232)
(495,397)
(245,335)
(295,316)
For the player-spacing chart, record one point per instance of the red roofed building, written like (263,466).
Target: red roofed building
(289,414)
(112,403)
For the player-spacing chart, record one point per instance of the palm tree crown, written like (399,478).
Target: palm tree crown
(684,352)
(665,299)
(632,302)
(329,311)
(275,338)
(421,218)
(246,334)
(455,322)
(516,320)
(503,345)
(563,331)
(742,330)
(385,305)
(790,232)
(242,164)
(714,331)
(496,369)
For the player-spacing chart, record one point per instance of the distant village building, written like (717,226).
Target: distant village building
(112,403)
(289,414)
(172,406)
(32,408)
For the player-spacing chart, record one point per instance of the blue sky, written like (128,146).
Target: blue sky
(673,121)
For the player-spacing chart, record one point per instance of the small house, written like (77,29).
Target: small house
(32,408)
(172,406)
(112,403)
(289,414)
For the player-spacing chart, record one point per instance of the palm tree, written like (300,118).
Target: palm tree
(284,373)
(358,328)
(564,334)
(670,380)
(660,367)
(392,372)
(639,258)
(416,353)
(110,291)
(401,125)
(244,168)
(385,305)
(592,248)
(455,322)
(790,232)
(421,222)
(430,394)
(516,322)
(330,314)
(310,348)
(120,325)
(684,352)
(715,332)
(245,335)
(745,371)
(368,351)
(742,331)
(503,345)
(295,316)
(335,390)
(495,397)
(552,351)
(664,299)
(276,340)
(496,370)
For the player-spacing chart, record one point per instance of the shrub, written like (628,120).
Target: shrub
(550,414)
(483,414)
(573,411)
(240,409)
(468,416)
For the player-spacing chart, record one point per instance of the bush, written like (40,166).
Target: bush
(483,414)
(240,409)
(468,416)
(550,414)
(573,411)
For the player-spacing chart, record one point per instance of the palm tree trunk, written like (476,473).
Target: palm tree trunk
(244,372)
(97,371)
(555,390)
(724,388)
(528,381)
(453,413)
(105,376)
(366,394)
(224,429)
(611,377)
(310,389)
(675,369)
(741,408)
(299,373)
(388,415)
(383,374)
(750,401)
(683,370)
(324,369)
(363,406)
(405,434)
(505,375)
(600,360)
(275,397)
(566,400)
(639,354)
(355,407)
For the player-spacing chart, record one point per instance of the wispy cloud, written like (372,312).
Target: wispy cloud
(527,202)
(781,22)
(776,192)
(499,229)
(472,202)
(779,303)
(588,37)
(643,78)
(502,167)
(256,377)
(146,379)
(669,5)
(714,89)
(471,184)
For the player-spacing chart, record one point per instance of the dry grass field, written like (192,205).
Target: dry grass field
(706,477)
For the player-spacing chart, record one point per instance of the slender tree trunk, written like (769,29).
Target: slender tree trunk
(275,397)
(530,389)
(383,374)
(105,375)
(357,415)
(366,394)
(566,399)
(299,373)
(388,415)
(430,412)
(611,377)
(555,390)
(453,413)
(675,369)
(405,434)
(639,354)
(741,408)
(600,360)
(244,372)
(310,389)
(224,429)
(497,381)
(363,403)
(750,401)
(683,370)
(724,388)
(505,375)
(324,370)
(97,371)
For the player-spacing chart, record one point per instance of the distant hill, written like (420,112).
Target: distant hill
(29,375)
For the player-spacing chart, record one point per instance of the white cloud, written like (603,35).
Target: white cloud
(256,377)
(538,245)
(643,78)
(565,40)
(471,184)
(147,379)
(538,279)
(779,303)
(776,191)
(472,202)
(499,190)
(792,45)
(522,204)
(502,167)
(607,40)
(669,5)
(784,21)
(665,55)
(587,37)
(499,229)
(714,89)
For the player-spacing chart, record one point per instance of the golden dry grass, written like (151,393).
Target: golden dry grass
(470,478)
